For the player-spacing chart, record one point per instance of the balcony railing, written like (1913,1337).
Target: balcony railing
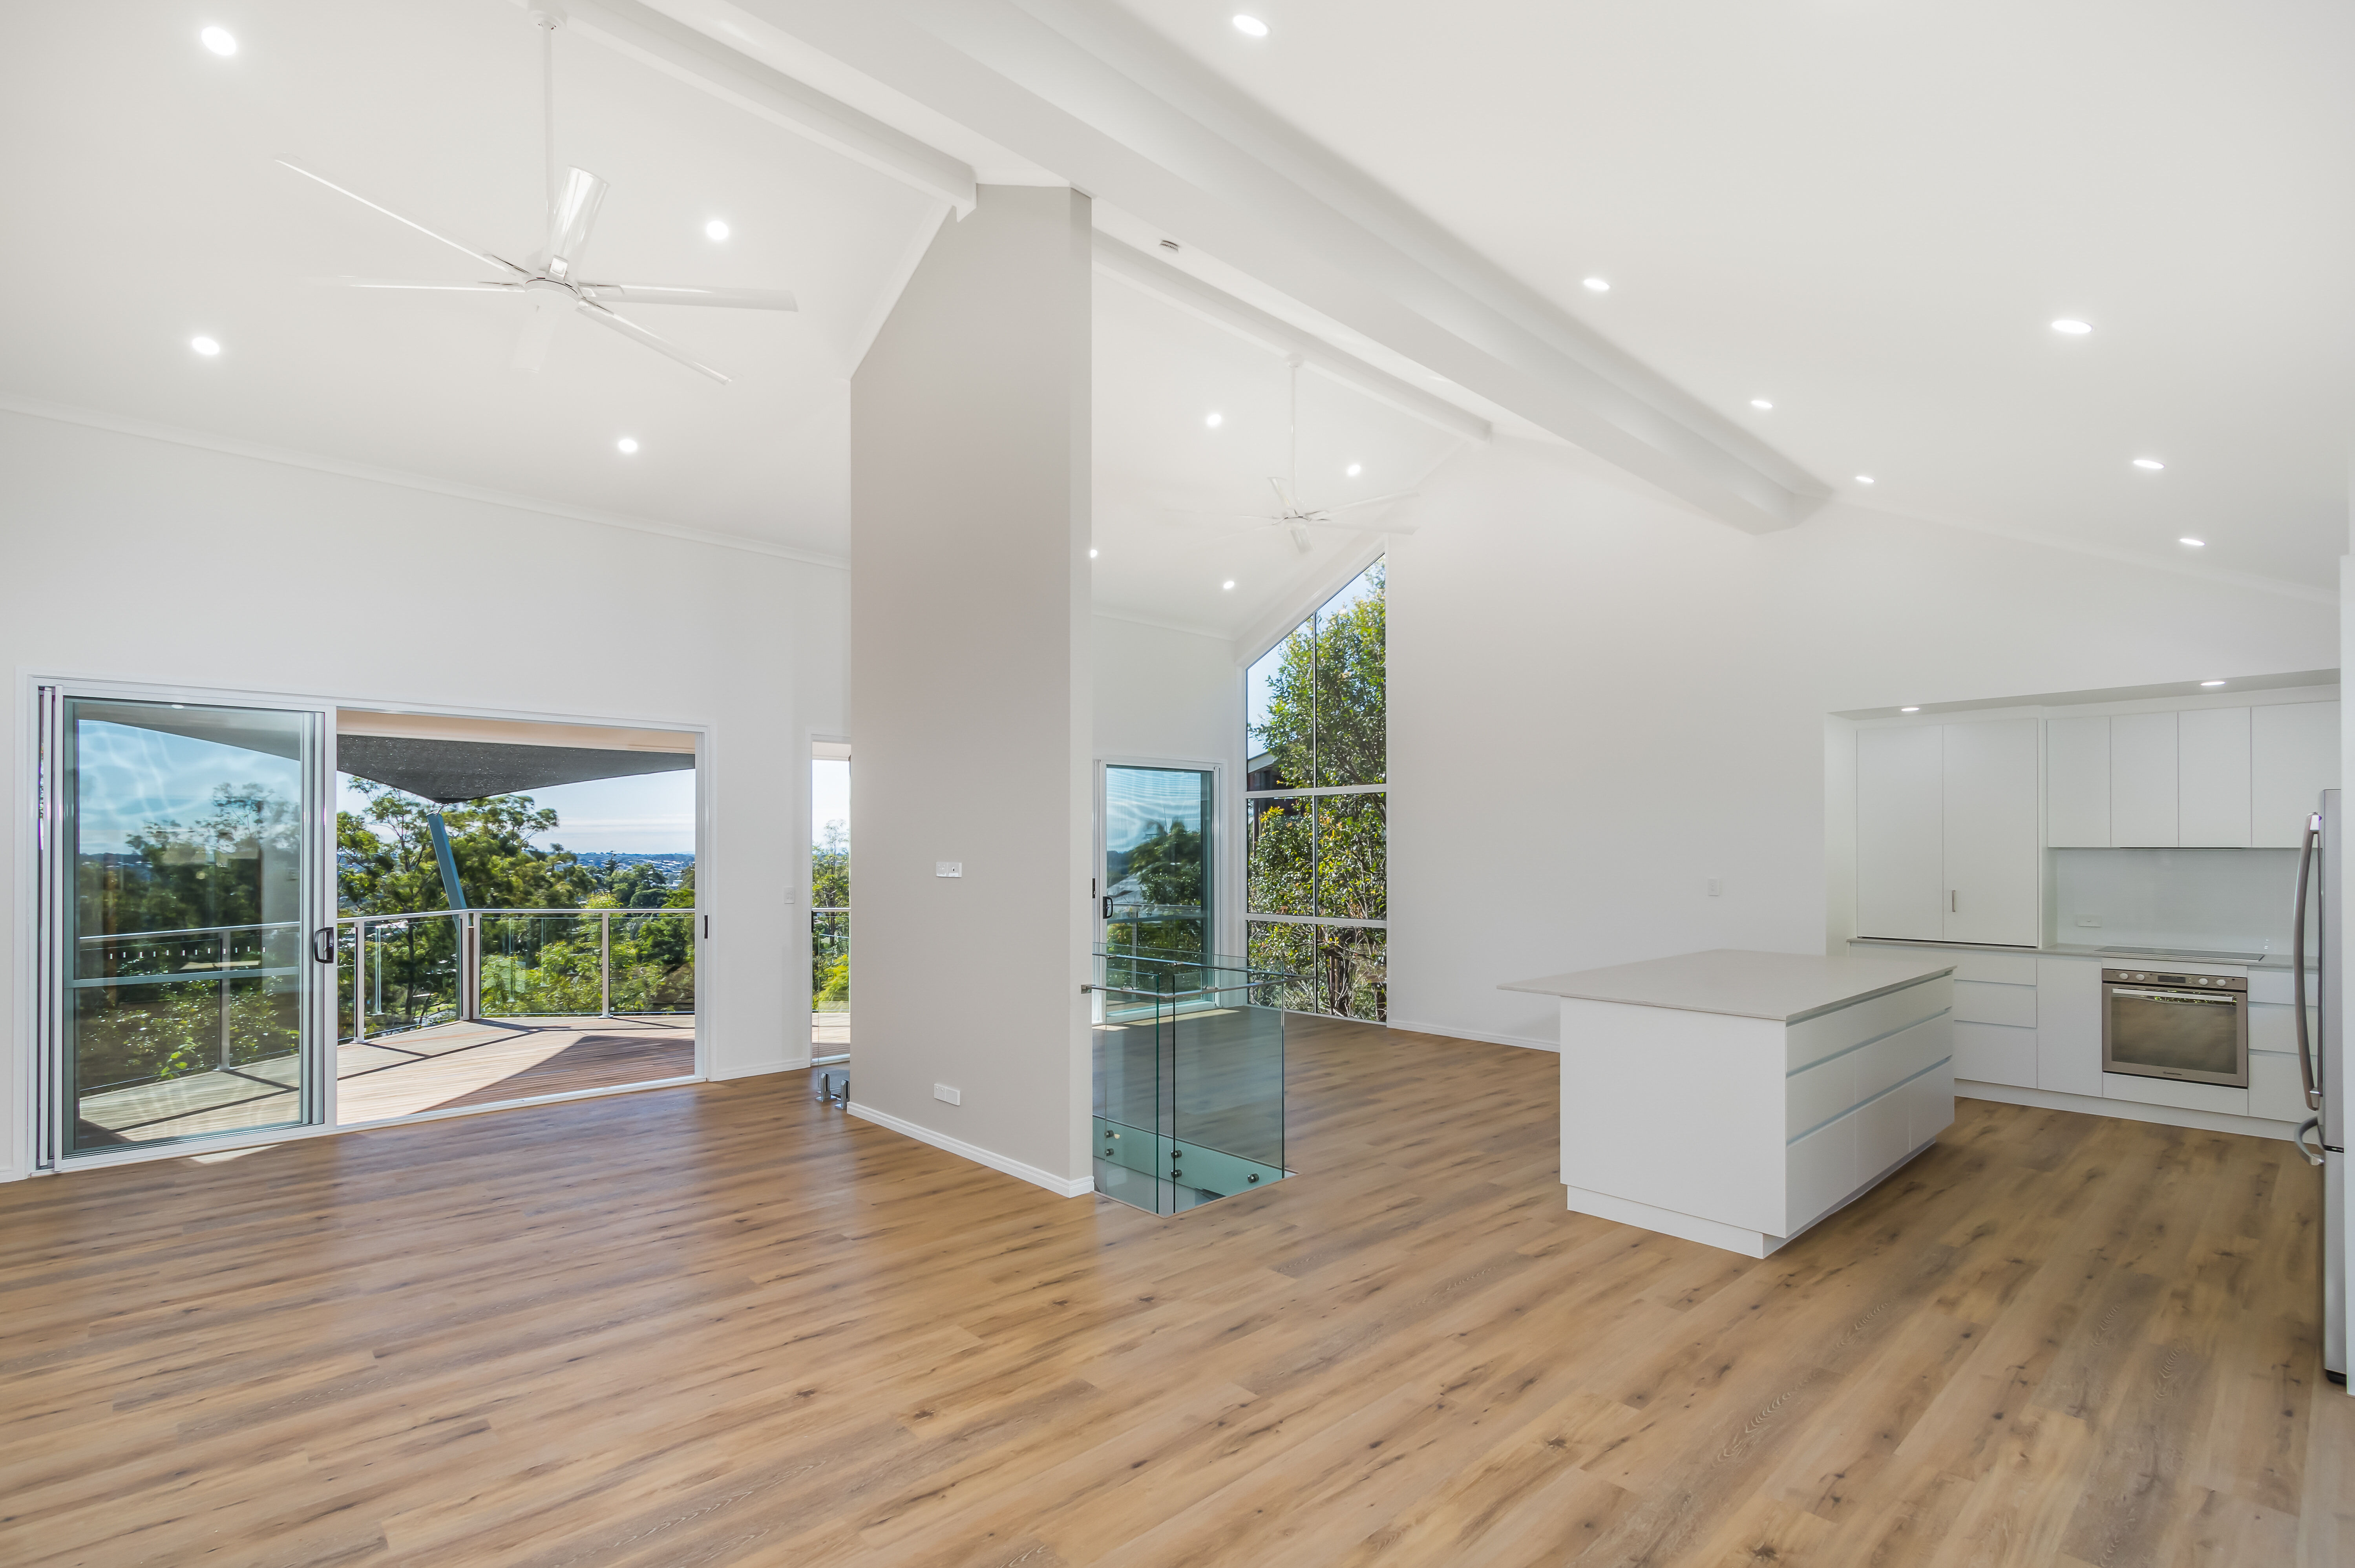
(402,972)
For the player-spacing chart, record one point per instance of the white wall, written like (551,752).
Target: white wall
(1599,700)
(1163,695)
(134,559)
(970,694)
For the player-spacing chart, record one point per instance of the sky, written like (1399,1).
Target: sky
(649,814)
(130,777)
(829,796)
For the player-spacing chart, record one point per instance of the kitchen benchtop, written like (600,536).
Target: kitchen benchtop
(1783,987)
(2074,950)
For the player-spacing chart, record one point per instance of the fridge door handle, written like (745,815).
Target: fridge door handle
(2306,1072)
(2313,1151)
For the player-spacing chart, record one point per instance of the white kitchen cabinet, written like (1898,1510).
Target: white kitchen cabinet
(2068,1024)
(1900,857)
(2077,784)
(2293,758)
(2143,781)
(1993,863)
(2211,774)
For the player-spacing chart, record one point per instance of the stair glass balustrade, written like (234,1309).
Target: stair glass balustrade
(1188,1078)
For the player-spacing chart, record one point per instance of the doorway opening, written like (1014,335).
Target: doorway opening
(829,902)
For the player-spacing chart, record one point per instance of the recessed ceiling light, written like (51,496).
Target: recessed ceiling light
(2211,683)
(1213,421)
(219,40)
(717,230)
(1354,470)
(1091,554)
(1251,26)
(2071,326)
(1864,479)
(204,346)
(2195,544)
(1760,403)
(626,445)
(1228,584)
(1598,285)
(2150,464)
(1909,710)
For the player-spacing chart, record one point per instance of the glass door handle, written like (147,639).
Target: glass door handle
(1107,906)
(323,944)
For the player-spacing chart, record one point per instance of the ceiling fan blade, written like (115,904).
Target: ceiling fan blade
(407,283)
(1374,501)
(680,293)
(1284,495)
(574,214)
(480,255)
(631,329)
(539,328)
(1300,539)
(1362,527)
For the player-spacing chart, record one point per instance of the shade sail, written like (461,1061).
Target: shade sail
(447,772)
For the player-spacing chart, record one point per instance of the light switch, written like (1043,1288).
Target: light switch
(1715,887)
(954,1096)
(948,868)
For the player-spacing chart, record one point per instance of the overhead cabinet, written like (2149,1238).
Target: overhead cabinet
(2202,778)
(1946,843)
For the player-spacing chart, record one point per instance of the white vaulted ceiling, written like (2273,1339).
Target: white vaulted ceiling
(143,206)
(1868,211)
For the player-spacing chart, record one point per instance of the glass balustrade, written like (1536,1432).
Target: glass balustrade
(1188,1078)
(399,972)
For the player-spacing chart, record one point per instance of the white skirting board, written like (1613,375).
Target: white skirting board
(1061,1186)
(1455,1031)
(2129,1110)
(1716,1232)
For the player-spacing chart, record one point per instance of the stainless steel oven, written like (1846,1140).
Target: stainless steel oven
(2192,1027)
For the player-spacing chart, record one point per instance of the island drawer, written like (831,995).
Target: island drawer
(1827,1035)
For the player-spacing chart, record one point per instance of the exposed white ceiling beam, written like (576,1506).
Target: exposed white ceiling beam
(1080,87)
(680,51)
(1196,297)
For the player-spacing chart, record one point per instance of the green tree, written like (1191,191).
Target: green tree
(830,934)
(385,861)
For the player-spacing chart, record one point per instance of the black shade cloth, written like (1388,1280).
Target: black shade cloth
(447,772)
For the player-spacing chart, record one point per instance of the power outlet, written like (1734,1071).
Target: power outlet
(948,868)
(954,1096)
(2087,919)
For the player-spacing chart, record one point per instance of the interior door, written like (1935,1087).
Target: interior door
(187,920)
(1157,877)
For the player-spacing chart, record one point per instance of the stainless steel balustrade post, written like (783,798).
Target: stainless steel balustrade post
(605,964)
(470,967)
(225,1037)
(359,980)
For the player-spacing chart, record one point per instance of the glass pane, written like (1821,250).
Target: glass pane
(1279,709)
(186,973)
(1156,869)
(412,976)
(1290,950)
(1351,689)
(541,965)
(1352,971)
(654,962)
(1280,855)
(1352,864)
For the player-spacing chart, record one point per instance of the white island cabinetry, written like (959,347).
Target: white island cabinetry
(1735,1098)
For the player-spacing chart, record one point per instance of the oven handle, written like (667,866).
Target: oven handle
(2213,999)
(2306,1072)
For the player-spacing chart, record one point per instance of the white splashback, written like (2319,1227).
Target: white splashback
(2227,900)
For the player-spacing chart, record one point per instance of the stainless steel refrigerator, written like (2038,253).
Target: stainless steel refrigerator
(2322,1058)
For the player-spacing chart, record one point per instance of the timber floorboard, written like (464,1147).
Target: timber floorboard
(724,1324)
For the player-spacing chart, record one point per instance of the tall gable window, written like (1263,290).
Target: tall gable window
(1317,901)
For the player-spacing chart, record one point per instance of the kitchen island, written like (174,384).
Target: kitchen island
(1736,1098)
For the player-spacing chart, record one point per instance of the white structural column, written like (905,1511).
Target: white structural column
(971,696)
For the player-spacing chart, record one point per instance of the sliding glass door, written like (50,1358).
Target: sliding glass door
(1157,860)
(189,940)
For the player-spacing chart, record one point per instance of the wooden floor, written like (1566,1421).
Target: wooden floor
(722,1324)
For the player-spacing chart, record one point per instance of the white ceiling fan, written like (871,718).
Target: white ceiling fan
(1295,518)
(551,277)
